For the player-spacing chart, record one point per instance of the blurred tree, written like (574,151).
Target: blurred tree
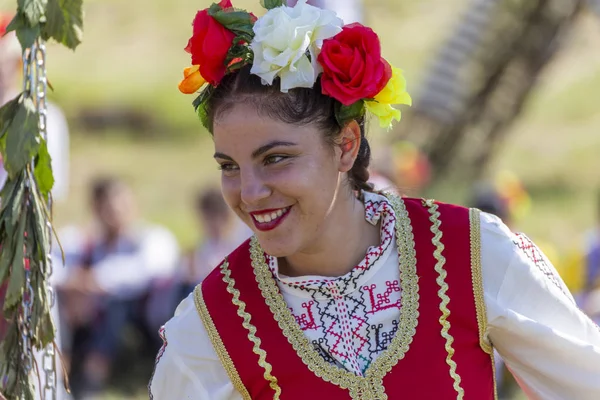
(480,80)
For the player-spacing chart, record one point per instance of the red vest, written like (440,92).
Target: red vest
(439,364)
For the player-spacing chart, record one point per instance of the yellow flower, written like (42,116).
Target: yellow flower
(192,80)
(393,93)
(385,112)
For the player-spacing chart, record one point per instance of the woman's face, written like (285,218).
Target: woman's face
(282,180)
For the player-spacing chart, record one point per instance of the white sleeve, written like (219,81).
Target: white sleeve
(549,345)
(187,367)
(128,273)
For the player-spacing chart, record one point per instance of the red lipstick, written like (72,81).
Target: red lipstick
(267,220)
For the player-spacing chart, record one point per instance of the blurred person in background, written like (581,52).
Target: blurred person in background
(223,233)
(590,294)
(107,284)
(11,81)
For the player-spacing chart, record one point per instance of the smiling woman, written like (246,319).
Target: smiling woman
(345,292)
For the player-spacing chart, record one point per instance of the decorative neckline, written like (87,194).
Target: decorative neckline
(377,209)
(369,386)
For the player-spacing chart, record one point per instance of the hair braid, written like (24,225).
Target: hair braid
(359,174)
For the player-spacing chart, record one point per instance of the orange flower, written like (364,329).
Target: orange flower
(192,80)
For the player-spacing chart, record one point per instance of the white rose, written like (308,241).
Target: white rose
(284,36)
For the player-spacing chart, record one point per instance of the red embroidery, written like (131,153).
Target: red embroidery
(381,301)
(306,320)
(360,323)
(341,318)
(332,331)
(536,256)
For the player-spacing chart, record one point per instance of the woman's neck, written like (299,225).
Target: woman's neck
(342,244)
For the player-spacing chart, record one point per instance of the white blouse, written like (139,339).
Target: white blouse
(549,345)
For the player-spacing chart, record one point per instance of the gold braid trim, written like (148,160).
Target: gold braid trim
(218,345)
(441,280)
(241,311)
(369,387)
(478,278)
(475,233)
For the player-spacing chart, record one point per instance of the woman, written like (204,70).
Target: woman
(345,293)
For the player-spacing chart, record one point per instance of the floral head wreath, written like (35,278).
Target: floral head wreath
(297,45)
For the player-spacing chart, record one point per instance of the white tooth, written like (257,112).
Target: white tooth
(274,215)
(259,218)
(267,218)
(279,213)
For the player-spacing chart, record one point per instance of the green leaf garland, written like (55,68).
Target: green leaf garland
(24,233)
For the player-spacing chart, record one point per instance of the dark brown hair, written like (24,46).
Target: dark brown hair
(299,106)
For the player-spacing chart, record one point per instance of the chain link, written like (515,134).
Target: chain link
(35,84)
(49,355)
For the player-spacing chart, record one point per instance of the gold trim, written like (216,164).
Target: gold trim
(218,345)
(495,383)
(241,311)
(477,275)
(475,233)
(369,387)
(441,280)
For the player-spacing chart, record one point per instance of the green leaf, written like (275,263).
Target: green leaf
(345,114)
(33,10)
(16,282)
(17,204)
(22,138)
(270,4)
(26,33)
(200,105)
(39,228)
(7,113)
(55,21)
(203,115)
(6,194)
(214,8)
(64,22)
(6,257)
(43,170)
(236,21)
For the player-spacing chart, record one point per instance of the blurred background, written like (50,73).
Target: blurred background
(505,117)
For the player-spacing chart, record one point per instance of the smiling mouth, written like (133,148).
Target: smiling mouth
(269,219)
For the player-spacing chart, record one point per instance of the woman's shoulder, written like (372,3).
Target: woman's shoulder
(187,365)
(186,328)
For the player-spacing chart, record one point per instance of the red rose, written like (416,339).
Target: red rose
(209,45)
(353,68)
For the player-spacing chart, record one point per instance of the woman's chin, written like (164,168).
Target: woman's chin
(276,248)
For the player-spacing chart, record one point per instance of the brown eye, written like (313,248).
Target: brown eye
(274,159)
(228,167)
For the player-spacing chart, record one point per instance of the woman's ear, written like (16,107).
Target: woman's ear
(349,144)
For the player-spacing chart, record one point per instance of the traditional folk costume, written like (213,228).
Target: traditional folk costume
(417,318)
